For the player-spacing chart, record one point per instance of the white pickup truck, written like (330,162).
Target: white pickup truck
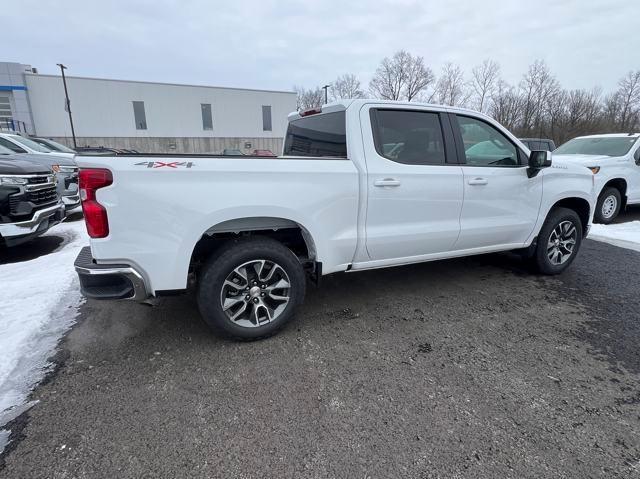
(615,161)
(362,184)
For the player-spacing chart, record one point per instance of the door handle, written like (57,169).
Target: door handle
(479,181)
(386,182)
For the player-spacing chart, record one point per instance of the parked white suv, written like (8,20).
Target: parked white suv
(615,161)
(362,184)
(23,144)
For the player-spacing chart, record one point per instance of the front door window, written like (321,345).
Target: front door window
(484,145)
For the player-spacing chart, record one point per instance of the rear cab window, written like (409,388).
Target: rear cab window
(318,135)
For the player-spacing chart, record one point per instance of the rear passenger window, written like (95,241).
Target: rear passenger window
(409,137)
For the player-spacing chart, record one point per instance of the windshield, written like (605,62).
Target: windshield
(607,146)
(53,145)
(30,144)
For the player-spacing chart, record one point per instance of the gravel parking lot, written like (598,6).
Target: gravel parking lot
(463,368)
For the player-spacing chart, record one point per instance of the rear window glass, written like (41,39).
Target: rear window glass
(317,135)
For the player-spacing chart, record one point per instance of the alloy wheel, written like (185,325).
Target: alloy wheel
(562,242)
(255,293)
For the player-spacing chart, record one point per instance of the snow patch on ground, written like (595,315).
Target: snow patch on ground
(40,300)
(625,235)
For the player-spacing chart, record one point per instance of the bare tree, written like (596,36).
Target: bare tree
(506,105)
(346,86)
(419,78)
(402,77)
(538,86)
(574,113)
(536,107)
(388,80)
(451,89)
(312,98)
(485,79)
(628,98)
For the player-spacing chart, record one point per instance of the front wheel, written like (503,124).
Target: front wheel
(558,242)
(608,205)
(250,289)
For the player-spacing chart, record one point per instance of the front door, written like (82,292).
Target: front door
(633,188)
(501,203)
(414,194)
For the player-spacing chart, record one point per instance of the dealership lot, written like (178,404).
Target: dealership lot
(465,367)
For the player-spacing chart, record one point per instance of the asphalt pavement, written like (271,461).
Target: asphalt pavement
(462,368)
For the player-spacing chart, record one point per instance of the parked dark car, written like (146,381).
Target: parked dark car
(63,166)
(29,200)
(267,153)
(536,144)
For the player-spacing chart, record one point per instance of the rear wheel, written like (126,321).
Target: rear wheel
(558,242)
(608,206)
(250,289)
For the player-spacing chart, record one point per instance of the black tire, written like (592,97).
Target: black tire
(606,215)
(557,219)
(222,263)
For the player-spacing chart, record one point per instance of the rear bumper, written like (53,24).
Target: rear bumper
(15,233)
(109,281)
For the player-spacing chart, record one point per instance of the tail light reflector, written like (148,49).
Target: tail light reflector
(95,215)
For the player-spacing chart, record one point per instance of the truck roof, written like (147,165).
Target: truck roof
(342,105)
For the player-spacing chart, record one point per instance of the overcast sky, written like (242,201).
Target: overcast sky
(277,44)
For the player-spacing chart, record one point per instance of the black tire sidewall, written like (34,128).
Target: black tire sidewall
(216,270)
(554,218)
(599,218)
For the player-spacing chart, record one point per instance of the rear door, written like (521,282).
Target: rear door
(414,184)
(501,203)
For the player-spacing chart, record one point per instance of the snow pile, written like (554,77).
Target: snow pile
(39,299)
(625,235)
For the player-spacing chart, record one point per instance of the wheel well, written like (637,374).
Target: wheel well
(621,185)
(578,205)
(287,232)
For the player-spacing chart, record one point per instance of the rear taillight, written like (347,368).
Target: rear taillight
(95,215)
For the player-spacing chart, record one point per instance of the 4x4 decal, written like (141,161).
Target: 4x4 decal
(162,164)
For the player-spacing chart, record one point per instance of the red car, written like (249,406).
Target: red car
(263,153)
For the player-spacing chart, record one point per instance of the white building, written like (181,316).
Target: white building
(145,116)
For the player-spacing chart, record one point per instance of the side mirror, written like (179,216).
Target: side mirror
(538,159)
